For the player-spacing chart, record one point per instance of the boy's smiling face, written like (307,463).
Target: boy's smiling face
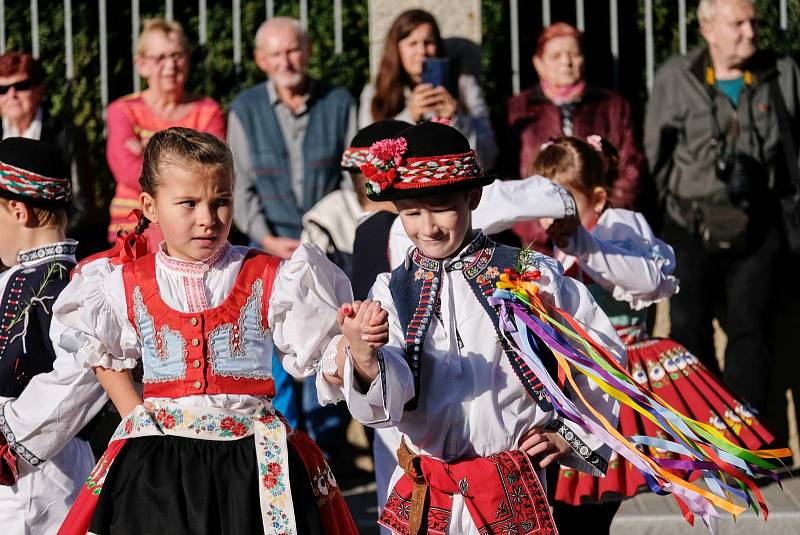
(439,225)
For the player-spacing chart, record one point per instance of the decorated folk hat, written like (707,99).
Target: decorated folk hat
(356,154)
(32,171)
(426,159)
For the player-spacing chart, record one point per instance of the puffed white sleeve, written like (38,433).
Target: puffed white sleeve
(53,408)
(306,296)
(574,298)
(90,319)
(622,254)
(505,202)
(381,403)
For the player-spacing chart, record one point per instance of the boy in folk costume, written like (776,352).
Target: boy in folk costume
(203,451)
(475,440)
(45,399)
(465,316)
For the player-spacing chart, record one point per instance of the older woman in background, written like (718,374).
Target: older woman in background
(564,105)
(399,92)
(162,59)
(22,90)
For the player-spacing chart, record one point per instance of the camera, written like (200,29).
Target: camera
(736,170)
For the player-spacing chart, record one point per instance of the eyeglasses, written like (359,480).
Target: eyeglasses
(22,85)
(178,57)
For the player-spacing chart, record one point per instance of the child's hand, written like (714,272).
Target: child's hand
(561,230)
(544,447)
(354,318)
(375,326)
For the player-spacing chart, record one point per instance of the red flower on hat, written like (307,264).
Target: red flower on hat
(380,169)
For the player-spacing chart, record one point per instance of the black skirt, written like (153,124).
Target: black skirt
(188,486)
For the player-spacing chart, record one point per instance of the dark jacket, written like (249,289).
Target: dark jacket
(679,132)
(534,120)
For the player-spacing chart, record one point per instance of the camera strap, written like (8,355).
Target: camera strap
(718,139)
(787,139)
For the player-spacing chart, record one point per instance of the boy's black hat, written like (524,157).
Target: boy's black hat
(32,171)
(356,154)
(426,159)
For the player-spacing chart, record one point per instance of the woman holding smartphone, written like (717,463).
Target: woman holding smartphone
(400,90)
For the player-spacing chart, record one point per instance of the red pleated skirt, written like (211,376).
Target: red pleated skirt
(666,368)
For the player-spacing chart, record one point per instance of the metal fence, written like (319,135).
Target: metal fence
(236,21)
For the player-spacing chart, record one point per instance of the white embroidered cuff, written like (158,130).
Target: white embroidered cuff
(328,393)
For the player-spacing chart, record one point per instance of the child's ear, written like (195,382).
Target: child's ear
(599,200)
(475,198)
(148,204)
(21,212)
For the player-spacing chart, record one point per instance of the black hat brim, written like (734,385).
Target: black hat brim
(394,194)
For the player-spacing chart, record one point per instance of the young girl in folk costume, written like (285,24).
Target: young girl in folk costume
(475,437)
(627,268)
(202,451)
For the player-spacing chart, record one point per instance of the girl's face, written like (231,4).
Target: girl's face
(193,207)
(439,225)
(415,48)
(561,62)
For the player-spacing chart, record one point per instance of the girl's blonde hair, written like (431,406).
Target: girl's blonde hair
(573,163)
(183,147)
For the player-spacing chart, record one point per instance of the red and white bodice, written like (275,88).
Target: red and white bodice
(206,331)
(223,349)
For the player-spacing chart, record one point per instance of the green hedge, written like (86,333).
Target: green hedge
(213,71)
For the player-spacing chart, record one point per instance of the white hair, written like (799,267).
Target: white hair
(706,9)
(276,23)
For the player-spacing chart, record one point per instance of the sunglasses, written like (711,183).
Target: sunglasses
(22,85)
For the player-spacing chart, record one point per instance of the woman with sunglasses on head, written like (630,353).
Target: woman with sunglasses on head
(25,114)
(162,59)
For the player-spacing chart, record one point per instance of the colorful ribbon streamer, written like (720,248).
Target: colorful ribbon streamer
(726,468)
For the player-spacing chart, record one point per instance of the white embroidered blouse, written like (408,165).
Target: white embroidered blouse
(92,315)
(622,254)
(473,396)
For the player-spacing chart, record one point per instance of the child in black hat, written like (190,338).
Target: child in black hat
(42,462)
(474,438)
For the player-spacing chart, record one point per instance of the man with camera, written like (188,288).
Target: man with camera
(719,143)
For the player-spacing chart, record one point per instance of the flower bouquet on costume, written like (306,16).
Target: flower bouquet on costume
(728,470)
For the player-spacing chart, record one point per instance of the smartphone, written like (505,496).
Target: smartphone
(436,71)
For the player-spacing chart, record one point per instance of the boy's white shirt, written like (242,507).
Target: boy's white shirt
(503,203)
(472,403)
(333,219)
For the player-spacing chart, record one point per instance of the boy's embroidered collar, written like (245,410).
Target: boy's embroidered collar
(191,268)
(466,258)
(64,248)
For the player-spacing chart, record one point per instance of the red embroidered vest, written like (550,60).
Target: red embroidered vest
(226,349)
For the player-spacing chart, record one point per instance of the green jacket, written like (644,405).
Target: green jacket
(678,129)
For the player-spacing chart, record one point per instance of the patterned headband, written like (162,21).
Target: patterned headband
(354,157)
(386,168)
(27,184)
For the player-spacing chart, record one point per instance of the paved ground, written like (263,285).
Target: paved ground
(649,514)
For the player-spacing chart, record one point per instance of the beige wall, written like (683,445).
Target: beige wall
(456,18)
